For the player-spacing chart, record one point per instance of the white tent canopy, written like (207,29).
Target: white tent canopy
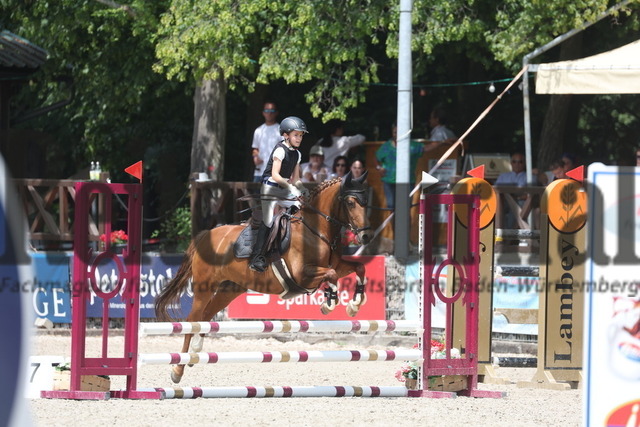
(615,71)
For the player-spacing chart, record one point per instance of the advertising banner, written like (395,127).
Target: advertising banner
(307,307)
(612,300)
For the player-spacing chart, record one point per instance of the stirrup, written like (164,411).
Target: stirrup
(259,264)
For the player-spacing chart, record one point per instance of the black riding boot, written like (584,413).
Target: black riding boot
(258,259)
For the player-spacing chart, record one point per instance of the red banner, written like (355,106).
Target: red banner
(253,305)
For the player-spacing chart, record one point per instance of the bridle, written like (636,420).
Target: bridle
(359,194)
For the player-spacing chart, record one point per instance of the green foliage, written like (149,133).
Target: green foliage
(119,105)
(175,230)
(326,43)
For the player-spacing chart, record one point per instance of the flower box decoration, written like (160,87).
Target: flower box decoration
(62,380)
(408,372)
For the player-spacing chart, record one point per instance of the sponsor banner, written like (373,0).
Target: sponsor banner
(52,291)
(507,292)
(307,307)
(612,302)
(51,287)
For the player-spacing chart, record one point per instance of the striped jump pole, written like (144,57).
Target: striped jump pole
(294,391)
(279,357)
(275,326)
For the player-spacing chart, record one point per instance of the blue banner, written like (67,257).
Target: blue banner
(51,286)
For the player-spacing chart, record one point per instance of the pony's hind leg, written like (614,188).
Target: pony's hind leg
(225,294)
(201,299)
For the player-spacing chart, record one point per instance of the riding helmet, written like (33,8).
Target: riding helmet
(292,123)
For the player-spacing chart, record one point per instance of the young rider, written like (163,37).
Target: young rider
(283,168)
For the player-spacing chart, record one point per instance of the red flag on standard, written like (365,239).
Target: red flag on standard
(577,173)
(135,170)
(477,172)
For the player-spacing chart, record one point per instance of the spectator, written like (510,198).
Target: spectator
(357,168)
(340,167)
(386,157)
(334,143)
(556,171)
(315,170)
(569,162)
(517,176)
(265,138)
(439,130)
(638,157)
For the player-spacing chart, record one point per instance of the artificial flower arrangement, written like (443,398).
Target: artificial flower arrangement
(349,238)
(118,237)
(409,370)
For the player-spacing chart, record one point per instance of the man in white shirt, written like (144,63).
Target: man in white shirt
(439,130)
(517,176)
(265,138)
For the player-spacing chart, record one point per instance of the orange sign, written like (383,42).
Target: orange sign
(488,200)
(565,201)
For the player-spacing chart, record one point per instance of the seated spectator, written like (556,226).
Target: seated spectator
(315,170)
(569,162)
(517,176)
(340,167)
(556,171)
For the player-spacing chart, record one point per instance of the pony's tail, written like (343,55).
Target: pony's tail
(170,294)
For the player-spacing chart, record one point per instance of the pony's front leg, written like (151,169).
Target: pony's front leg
(330,298)
(359,296)
(314,276)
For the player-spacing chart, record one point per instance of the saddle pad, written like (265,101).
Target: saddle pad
(242,246)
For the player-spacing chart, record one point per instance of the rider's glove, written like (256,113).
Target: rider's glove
(293,190)
(300,186)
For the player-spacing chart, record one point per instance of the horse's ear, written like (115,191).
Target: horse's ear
(362,177)
(346,180)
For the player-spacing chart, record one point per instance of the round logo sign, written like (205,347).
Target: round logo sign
(488,200)
(565,202)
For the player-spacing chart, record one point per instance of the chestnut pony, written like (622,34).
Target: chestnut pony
(313,257)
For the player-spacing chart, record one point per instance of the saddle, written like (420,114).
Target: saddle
(278,240)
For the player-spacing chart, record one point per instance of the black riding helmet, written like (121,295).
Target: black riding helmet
(292,123)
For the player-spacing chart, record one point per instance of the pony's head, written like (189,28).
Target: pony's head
(353,198)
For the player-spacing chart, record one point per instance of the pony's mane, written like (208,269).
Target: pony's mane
(323,186)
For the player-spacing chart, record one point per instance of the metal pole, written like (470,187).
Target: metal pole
(402,201)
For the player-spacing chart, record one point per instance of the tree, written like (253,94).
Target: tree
(260,41)
(121,110)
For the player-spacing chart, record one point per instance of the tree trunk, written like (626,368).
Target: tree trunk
(209,128)
(207,149)
(554,128)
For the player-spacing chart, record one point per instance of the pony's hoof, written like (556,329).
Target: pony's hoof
(353,307)
(326,308)
(175,377)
